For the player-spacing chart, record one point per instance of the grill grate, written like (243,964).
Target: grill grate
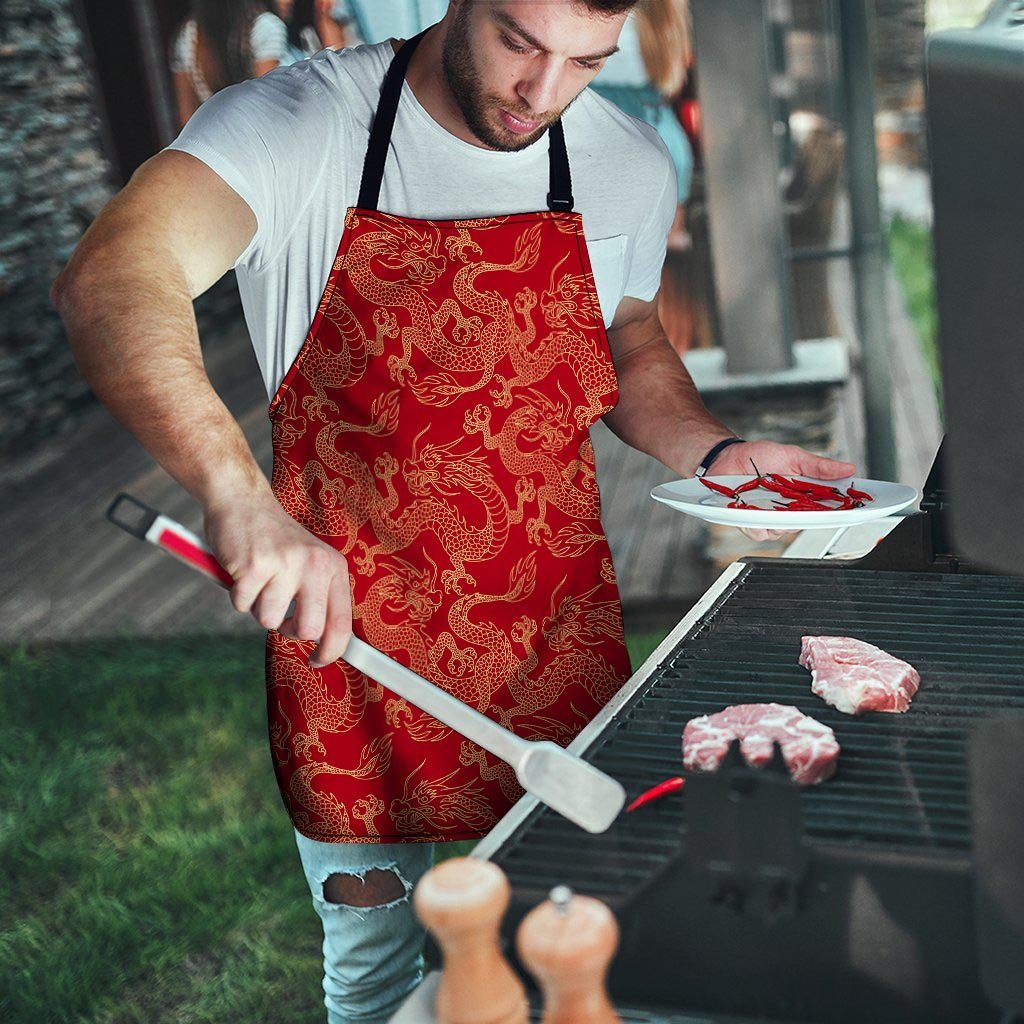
(902,779)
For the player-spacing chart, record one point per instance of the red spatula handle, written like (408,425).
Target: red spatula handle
(147,524)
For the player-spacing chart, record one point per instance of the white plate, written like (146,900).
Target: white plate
(693,498)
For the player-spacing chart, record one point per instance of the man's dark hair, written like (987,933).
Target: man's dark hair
(609,6)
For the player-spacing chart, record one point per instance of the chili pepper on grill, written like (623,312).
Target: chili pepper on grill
(656,792)
(720,488)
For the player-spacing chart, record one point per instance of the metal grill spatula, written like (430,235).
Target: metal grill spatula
(561,780)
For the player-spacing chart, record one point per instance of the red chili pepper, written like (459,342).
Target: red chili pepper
(807,505)
(796,485)
(720,488)
(787,492)
(656,793)
(807,487)
(803,495)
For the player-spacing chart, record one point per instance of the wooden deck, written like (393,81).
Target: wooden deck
(70,574)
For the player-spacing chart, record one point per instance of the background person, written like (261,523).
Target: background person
(645,79)
(314,24)
(648,73)
(221,43)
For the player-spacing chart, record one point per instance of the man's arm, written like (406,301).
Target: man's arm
(661,413)
(126,300)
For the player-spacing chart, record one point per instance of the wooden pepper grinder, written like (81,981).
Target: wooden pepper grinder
(567,943)
(462,901)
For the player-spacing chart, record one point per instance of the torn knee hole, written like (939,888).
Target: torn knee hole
(377,887)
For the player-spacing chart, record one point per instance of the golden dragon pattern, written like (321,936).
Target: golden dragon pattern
(434,430)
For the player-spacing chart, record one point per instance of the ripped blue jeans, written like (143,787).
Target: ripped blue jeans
(372,954)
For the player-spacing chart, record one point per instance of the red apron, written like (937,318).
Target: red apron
(434,428)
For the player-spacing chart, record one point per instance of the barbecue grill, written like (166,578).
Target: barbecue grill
(746,896)
(893,892)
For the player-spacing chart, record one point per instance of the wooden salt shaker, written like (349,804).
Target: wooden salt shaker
(462,901)
(567,943)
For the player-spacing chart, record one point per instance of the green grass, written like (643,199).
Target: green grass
(641,646)
(148,871)
(910,248)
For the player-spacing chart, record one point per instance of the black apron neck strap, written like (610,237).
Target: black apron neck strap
(560,185)
(383,122)
(560,193)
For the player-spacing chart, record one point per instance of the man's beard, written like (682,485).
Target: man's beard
(464,82)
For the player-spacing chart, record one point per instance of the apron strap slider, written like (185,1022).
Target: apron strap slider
(560,204)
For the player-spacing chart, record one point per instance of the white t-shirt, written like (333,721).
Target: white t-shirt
(292,144)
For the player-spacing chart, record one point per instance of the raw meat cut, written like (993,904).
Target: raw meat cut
(809,748)
(855,677)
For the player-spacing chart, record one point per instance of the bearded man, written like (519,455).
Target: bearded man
(449,254)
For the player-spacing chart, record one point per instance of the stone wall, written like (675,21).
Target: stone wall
(54,178)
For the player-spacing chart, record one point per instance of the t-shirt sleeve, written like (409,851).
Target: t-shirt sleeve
(269,140)
(649,250)
(269,38)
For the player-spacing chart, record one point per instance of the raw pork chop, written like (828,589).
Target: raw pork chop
(809,748)
(855,677)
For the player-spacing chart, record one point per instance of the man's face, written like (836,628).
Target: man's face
(513,66)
